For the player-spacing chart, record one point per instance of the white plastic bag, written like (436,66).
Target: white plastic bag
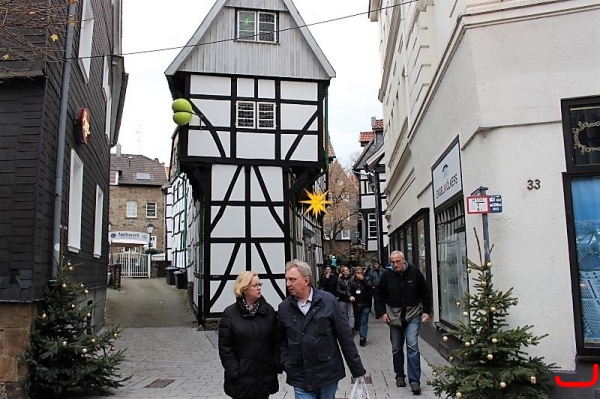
(359,389)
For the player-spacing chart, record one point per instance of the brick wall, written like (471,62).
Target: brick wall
(119,195)
(15,328)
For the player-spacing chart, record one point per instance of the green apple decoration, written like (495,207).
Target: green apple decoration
(182,111)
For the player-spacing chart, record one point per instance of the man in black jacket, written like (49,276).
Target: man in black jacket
(404,301)
(312,331)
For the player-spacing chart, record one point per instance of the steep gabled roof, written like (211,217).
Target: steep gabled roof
(212,15)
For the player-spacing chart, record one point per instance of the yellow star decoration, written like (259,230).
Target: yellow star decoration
(317,202)
(54,37)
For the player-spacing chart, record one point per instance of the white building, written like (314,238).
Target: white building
(501,94)
(258,84)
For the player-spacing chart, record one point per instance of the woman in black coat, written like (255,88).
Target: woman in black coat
(247,342)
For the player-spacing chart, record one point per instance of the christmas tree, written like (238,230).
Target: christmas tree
(491,362)
(64,355)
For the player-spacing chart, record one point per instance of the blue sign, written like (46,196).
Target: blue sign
(495,204)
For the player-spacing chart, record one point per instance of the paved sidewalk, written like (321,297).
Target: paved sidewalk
(168,357)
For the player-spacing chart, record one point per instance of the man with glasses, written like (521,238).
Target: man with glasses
(404,302)
(312,331)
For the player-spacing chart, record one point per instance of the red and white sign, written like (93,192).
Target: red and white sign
(478,204)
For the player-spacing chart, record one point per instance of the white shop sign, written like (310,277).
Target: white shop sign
(446,176)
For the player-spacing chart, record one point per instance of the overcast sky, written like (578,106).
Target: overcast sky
(351,45)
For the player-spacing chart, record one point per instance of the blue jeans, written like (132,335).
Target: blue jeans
(398,334)
(361,318)
(325,392)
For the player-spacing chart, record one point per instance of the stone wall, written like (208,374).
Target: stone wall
(16,320)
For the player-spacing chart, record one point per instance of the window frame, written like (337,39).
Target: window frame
(155,210)
(237,114)
(86,39)
(127,214)
(369,221)
(257,32)
(75,203)
(106,87)
(576,172)
(98,225)
(258,118)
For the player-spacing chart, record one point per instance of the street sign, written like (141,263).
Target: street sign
(495,204)
(478,204)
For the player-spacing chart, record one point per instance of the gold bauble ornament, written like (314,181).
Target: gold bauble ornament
(445,338)
(112,348)
(93,341)
(533,379)
(469,270)
(490,356)
(467,344)
(116,335)
(88,315)
(450,358)
(73,306)
(84,350)
(434,374)
(86,291)
(465,314)
(494,340)
(44,315)
(64,343)
(483,284)
(503,384)
(458,395)
(493,309)
(64,285)
(70,268)
(489,265)
(458,303)
(529,340)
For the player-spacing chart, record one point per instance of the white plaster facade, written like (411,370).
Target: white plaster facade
(492,75)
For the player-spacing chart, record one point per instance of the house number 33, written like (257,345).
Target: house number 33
(533,184)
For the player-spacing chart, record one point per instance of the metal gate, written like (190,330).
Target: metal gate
(133,264)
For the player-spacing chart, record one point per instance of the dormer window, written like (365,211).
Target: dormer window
(257,26)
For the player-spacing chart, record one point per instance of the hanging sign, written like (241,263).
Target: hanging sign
(83,125)
(495,204)
(446,176)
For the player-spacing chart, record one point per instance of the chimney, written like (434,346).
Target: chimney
(118,150)
(373,120)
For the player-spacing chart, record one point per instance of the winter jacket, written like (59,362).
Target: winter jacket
(310,353)
(329,284)
(248,350)
(362,293)
(344,284)
(406,290)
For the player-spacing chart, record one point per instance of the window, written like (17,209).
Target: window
(412,239)
(143,176)
(75,203)
(114,178)
(151,209)
(107,94)
(131,211)
(372,225)
(368,187)
(98,237)
(257,26)
(345,234)
(86,34)
(246,115)
(451,262)
(581,130)
(266,115)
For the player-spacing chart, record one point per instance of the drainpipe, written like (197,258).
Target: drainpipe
(60,152)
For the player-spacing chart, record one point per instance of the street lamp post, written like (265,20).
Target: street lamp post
(150,229)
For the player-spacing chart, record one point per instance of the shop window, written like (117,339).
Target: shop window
(451,262)
(412,239)
(581,129)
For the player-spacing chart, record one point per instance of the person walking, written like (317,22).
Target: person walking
(404,302)
(328,281)
(363,294)
(344,283)
(314,334)
(247,342)
(373,275)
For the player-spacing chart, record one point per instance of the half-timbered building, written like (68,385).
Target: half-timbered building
(257,81)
